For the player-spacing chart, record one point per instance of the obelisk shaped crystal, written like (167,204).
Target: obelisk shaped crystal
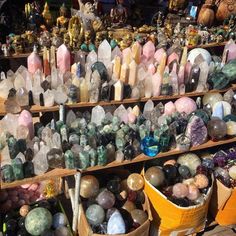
(98,115)
(104,53)
(204,71)
(156,84)
(119,90)
(174,80)
(127,56)
(63,59)
(25,119)
(34,62)
(84,94)
(124,74)
(133,67)
(116,67)
(149,50)
(136,52)
(19,82)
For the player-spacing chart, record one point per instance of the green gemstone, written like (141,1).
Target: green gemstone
(84,47)
(84,160)
(59,124)
(17,167)
(102,155)
(120,143)
(93,157)
(69,159)
(92,47)
(13,147)
(113,43)
(230,118)
(7,172)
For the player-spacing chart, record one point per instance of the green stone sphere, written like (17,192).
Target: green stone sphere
(38,221)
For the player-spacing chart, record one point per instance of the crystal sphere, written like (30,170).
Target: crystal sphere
(191,160)
(89,186)
(58,220)
(217,129)
(184,171)
(201,181)
(211,99)
(155,176)
(180,190)
(24,210)
(231,128)
(196,52)
(150,146)
(232,172)
(139,216)
(170,172)
(188,181)
(95,214)
(38,220)
(106,199)
(135,182)
(193,192)
(186,105)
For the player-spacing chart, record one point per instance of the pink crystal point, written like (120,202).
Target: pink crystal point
(181,74)
(169,108)
(158,55)
(149,50)
(63,58)
(187,70)
(231,48)
(26,120)
(173,56)
(34,62)
(151,69)
(156,84)
(185,104)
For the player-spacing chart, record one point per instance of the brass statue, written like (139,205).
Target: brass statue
(47,16)
(177,5)
(17,44)
(62,20)
(76,31)
(119,14)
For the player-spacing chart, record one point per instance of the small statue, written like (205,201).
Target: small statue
(119,14)
(192,36)
(88,45)
(100,36)
(56,37)
(62,20)
(18,45)
(47,16)
(177,5)
(126,41)
(168,28)
(66,39)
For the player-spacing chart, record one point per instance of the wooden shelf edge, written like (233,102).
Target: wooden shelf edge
(38,109)
(143,157)
(55,173)
(209,45)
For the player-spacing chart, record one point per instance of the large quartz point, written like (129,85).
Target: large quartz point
(70,118)
(40,161)
(230,50)
(84,93)
(10,123)
(133,68)
(116,52)
(47,136)
(136,52)
(104,53)
(34,62)
(148,108)
(98,114)
(202,83)
(148,86)
(196,131)
(22,97)
(48,97)
(149,50)
(116,68)
(124,73)
(25,119)
(122,113)
(127,55)
(91,59)
(119,90)
(156,84)
(116,224)
(5,86)
(63,59)
(19,82)
(60,95)
(11,106)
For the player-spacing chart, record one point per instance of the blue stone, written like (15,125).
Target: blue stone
(150,146)
(218,111)
(59,219)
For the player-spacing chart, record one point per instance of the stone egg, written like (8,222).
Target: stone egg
(180,190)
(196,52)
(184,171)
(95,214)
(231,128)
(62,231)
(155,176)
(24,210)
(193,192)
(221,109)
(116,224)
(188,181)
(139,216)
(170,172)
(191,160)
(38,221)
(186,105)
(129,206)
(135,182)
(89,186)
(212,99)
(59,219)
(217,129)
(106,199)
(201,181)
(232,172)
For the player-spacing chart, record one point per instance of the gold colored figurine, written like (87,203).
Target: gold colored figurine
(168,28)
(176,5)
(47,15)
(62,20)
(17,44)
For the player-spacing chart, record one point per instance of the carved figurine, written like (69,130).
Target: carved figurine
(56,37)
(168,28)
(225,8)
(62,20)
(47,16)
(119,14)
(176,5)
(192,36)
(207,15)
(17,44)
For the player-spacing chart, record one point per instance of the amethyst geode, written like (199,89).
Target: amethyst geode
(196,131)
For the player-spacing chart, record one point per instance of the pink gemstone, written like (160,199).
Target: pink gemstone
(187,70)
(158,55)
(131,117)
(156,84)
(149,50)
(173,56)
(63,58)
(34,63)
(169,108)
(186,105)
(231,48)
(181,75)
(151,69)
(25,119)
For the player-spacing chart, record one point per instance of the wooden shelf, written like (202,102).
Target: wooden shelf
(142,157)
(209,45)
(38,109)
(55,173)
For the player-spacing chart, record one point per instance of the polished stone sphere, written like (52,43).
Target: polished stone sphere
(180,190)
(24,210)
(184,171)
(232,172)
(211,99)
(155,176)
(201,181)
(186,105)
(194,53)
(95,214)
(217,129)
(191,160)
(106,199)
(193,192)
(59,219)
(38,220)
(135,182)
(139,216)
(170,172)
(89,186)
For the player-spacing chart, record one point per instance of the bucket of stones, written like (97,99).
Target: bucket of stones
(130,205)
(179,196)
(223,204)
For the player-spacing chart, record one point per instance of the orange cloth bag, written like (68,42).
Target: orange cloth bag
(223,204)
(172,220)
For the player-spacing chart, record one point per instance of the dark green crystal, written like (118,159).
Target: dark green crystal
(69,159)
(17,169)
(7,173)
(102,155)
(13,147)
